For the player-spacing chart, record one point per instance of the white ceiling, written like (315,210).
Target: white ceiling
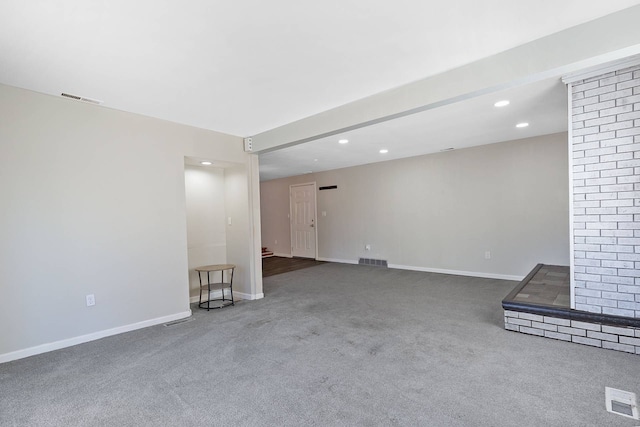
(464,124)
(246,66)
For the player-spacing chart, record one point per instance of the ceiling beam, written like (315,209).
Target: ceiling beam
(596,42)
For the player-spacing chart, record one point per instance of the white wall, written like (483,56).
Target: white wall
(206,230)
(93,201)
(441,211)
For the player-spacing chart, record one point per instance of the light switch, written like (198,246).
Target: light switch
(324,213)
(229,220)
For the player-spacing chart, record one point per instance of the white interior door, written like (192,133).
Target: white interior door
(303,220)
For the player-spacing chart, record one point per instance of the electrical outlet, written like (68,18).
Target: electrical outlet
(91,300)
(367,247)
(276,242)
(487,255)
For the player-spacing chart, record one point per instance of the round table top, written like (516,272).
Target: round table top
(216,267)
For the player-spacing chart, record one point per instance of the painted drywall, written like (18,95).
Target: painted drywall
(238,228)
(206,231)
(93,202)
(608,38)
(441,211)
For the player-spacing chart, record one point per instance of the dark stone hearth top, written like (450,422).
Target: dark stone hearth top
(535,288)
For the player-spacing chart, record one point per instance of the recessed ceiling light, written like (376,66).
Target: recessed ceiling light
(384,151)
(343,141)
(522,125)
(206,163)
(502,103)
(315,160)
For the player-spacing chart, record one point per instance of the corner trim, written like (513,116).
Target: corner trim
(69,342)
(458,272)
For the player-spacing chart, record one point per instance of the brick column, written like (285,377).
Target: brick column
(605,132)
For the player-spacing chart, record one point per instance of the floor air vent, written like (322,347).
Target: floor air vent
(370,261)
(621,402)
(179,321)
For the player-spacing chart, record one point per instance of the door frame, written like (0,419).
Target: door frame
(315,213)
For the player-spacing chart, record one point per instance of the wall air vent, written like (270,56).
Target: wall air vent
(179,321)
(370,261)
(81,98)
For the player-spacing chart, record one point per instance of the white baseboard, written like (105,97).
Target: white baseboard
(435,270)
(250,297)
(458,272)
(241,295)
(341,261)
(44,348)
(214,294)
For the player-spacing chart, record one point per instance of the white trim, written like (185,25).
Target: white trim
(249,297)
(214,294)
(69,342)
(458,272)
(434,270)
(341,261)
(283,255)
(598,70)
(240,295)
(255,231)
(572,281)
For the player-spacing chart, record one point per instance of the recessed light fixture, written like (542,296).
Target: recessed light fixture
(206,163)
(522,125)
(343,141)
(315,160)
(384,151)
(502,103)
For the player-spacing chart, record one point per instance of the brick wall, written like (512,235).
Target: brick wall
(606,188)
(625,339)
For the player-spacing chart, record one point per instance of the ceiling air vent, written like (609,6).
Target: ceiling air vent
(81,98)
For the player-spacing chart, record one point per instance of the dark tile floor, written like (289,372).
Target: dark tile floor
(278,265)
(550,286)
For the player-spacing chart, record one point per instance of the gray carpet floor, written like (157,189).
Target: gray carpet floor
(329,345)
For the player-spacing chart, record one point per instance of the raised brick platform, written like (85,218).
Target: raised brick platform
(544,319)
